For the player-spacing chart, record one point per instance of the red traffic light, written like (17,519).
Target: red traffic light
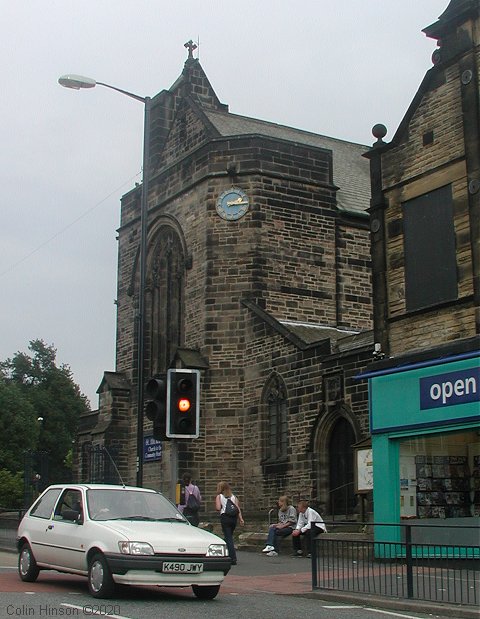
(184,405)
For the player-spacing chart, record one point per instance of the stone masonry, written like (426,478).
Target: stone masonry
(276,302)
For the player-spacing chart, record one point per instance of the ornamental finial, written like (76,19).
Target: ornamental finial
(190,45)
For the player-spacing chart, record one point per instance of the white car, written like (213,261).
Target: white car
(118,534)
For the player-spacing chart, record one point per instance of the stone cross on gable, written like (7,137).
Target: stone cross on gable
(190,45)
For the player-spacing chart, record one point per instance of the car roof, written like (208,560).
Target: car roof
(102,487)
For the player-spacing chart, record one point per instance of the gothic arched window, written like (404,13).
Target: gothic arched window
(341,467)
(275,397)
(166,283)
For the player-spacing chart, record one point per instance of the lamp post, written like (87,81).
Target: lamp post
(76,82)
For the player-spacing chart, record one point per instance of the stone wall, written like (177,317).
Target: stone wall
(294,253)
(429,152)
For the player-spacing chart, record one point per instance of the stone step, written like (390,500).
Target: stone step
(255,541)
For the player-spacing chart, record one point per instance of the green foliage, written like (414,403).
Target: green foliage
(11,489)
(39,409)
(18,422)
(68,462)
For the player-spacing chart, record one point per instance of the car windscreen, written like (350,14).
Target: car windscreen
(125,504)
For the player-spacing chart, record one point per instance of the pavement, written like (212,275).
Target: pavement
(286,575)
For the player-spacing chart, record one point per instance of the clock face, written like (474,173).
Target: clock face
(232,204)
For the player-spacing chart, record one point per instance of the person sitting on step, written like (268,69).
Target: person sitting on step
(309,524)
(287,517)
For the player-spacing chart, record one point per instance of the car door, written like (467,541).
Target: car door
(37,523)
(65,535)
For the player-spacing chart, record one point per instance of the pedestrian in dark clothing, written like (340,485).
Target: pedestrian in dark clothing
(193,500)
(223,502)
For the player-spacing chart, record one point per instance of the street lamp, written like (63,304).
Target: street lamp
(76,82)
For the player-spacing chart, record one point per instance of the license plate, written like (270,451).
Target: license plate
(182,568)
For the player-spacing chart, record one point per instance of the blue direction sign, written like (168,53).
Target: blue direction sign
(152,449)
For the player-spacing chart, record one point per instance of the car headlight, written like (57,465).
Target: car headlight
(135,548)
(217,550)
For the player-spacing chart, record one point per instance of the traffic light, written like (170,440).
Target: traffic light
(155,408)
(183,403)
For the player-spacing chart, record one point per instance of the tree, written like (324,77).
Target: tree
(18,422)
(40,405)
(11,489)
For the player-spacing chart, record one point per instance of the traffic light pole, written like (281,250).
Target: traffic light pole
(141,290)
(173,469)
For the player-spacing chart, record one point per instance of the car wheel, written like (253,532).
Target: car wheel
(206,593)
(27,566)
(100,581)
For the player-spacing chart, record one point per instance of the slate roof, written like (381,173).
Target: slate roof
(191,358)
(87,422)
(341,340)
(351,171)
(114,380)
(350,343)
(457,8)
(326,339)
(311,333)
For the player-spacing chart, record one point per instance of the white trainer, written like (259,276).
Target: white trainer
(268,548)
(272,553)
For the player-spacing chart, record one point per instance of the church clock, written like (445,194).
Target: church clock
(232,204)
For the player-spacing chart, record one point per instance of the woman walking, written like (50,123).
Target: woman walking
(230,512)
(192,500)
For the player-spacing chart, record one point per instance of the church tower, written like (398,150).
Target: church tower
(258,275)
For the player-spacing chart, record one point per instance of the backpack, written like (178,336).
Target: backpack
(192,505)
(231,509)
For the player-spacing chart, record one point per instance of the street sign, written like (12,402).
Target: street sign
(152,449)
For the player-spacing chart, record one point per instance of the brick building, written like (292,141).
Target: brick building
(425,223)
(258,274)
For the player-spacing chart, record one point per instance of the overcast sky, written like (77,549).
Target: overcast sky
(334,67)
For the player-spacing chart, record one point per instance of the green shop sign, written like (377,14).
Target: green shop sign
(436,395)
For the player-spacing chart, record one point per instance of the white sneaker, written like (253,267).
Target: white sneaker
(268,548)
(272,553)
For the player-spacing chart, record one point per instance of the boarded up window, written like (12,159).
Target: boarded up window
(429,245)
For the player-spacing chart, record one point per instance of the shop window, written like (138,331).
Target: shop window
(440,476)
(429,246)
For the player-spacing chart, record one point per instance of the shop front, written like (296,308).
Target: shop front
(424,420)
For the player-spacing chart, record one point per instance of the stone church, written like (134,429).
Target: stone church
(258,274)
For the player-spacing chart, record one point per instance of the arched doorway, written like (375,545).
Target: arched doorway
(341,494)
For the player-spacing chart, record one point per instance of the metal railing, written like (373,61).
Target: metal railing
(436,572)
(345,497)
